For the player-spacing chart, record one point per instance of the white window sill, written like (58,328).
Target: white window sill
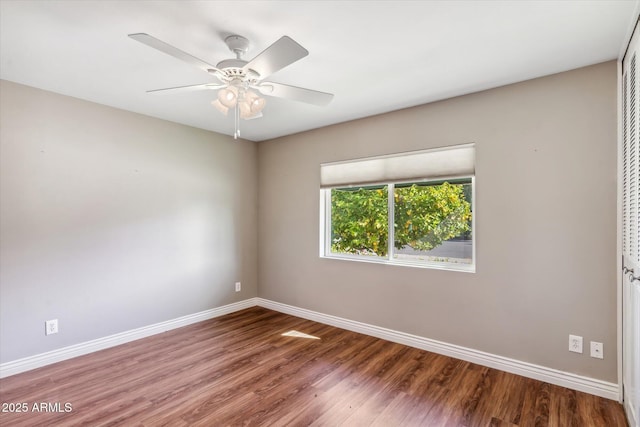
(449,266)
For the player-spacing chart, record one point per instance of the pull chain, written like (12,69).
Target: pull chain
(236,133)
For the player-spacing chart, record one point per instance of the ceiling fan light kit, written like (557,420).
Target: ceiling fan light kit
(228,96)
(239,82)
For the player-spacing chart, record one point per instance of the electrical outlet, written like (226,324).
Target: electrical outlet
(597,350)
(575,343)
(51,327)
(238,286)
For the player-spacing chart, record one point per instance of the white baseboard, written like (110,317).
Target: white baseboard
(43,359)
(553,376)
(549,375)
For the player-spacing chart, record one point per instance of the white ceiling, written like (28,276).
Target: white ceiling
(375,56)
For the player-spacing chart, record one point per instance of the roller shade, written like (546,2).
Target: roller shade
(446,162)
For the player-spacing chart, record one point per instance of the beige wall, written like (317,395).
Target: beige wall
(111,221)
(545,223)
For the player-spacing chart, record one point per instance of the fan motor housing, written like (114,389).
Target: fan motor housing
(231,63)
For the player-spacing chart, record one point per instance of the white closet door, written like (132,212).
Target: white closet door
(631,231)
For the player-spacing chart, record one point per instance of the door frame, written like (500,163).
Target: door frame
(633,26)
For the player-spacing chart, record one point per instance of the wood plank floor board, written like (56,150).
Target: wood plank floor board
(366,414)
(455,404)
(500,395)
(497,422)
(353,393)
(239,369)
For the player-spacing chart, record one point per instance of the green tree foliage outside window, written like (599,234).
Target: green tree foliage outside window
(424,217)
(359,221)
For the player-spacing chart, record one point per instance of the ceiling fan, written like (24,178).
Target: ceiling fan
(239,82)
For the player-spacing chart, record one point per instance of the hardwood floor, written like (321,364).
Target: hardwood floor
(240,370)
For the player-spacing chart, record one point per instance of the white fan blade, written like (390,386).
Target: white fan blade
(173,51)
(283,52)
(296,93)
(190,88)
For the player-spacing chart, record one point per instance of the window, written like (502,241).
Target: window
(417,217)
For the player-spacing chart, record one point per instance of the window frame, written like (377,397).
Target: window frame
(325,230)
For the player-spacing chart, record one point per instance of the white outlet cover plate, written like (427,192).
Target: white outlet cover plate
(51,327)
(575,343)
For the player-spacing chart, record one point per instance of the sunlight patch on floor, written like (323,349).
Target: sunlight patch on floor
(299,335)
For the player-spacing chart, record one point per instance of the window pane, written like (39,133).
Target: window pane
(433,222)
(359,221)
